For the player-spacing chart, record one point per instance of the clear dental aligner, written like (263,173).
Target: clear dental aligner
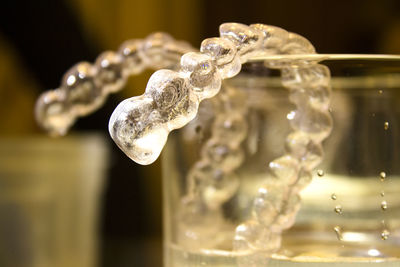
(140,125)
(85,87)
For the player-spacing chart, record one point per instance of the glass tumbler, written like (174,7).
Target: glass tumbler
(350,212)
(50,191)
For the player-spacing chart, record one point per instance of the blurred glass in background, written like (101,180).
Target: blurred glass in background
(49,200)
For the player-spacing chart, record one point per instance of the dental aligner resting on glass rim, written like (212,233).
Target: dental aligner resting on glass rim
(140,125)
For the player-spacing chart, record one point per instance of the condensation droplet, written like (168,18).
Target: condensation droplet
(382,194)
(338,232)
(338,209)
(333,197)
(386,125)
(382,175)
(384,205)
(385,234)
(291,115)
(320,173)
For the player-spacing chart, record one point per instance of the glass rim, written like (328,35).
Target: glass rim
(322,57)
(383,75)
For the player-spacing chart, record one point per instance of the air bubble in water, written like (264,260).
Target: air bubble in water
(338,209)
(384,205)
(320,173)
(333,196)
(382,175)
(386,125)
(338,231)
(382,194)
(385,234)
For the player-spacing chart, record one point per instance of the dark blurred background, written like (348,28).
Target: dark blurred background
(40,40)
